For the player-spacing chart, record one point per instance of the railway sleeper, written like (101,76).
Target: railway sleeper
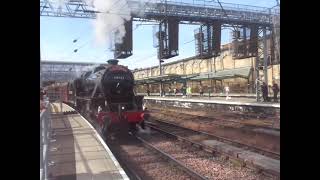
(231,156)
(237,162)
(223,158)
(258,169)
(171,160)
(197,146)
(209,150)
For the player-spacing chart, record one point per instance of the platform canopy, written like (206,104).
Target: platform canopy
(224,74)
(164,78)
(219,75)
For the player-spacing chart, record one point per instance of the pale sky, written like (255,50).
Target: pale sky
(57,35)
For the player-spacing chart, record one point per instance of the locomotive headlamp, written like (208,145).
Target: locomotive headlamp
(122,107)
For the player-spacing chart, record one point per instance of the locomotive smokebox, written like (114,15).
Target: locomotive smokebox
(113,62)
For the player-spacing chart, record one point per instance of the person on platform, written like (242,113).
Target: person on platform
(201,91)
(175,92)
(148,92)
(227,92)
(163,92)
(264,89)
(189,92)
(184,91)
(275,89)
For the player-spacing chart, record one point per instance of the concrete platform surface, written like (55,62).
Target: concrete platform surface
(77,152)
(250,158)
(235,95)
(218,100)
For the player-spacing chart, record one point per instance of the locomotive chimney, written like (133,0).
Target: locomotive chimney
(113,62)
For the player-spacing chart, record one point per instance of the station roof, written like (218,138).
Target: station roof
(163,78)
(225,74)
(219,75)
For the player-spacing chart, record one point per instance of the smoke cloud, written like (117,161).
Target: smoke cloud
(79,71)
(112,14)
(109,24)
(57,4)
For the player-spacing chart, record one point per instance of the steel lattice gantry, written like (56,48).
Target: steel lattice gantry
(60,71)
(204,11)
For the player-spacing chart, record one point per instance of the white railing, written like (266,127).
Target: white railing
(44,139)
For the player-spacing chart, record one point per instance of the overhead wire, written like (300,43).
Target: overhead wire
(109,12)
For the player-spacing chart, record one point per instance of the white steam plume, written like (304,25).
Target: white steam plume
(57,4)
(111,19)
(109,24)
(81,70)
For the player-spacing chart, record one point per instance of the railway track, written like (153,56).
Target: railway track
(214,120)
(203,163)
(143,161)
(181,132)
(155,156)
(171,159)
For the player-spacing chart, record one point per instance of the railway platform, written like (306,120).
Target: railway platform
(76,151)
(218,100)
(218,96)
(244,107)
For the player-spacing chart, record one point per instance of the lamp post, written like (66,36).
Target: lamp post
(160,61)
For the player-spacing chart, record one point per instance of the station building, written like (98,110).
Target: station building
(213,73)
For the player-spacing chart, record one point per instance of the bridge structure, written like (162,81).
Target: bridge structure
(191,11)
(62,71)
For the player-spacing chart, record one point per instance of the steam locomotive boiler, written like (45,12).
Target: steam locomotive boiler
(106,95)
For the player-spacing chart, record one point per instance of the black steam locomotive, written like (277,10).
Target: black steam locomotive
(106,96)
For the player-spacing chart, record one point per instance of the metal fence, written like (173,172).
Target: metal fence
(44,141)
